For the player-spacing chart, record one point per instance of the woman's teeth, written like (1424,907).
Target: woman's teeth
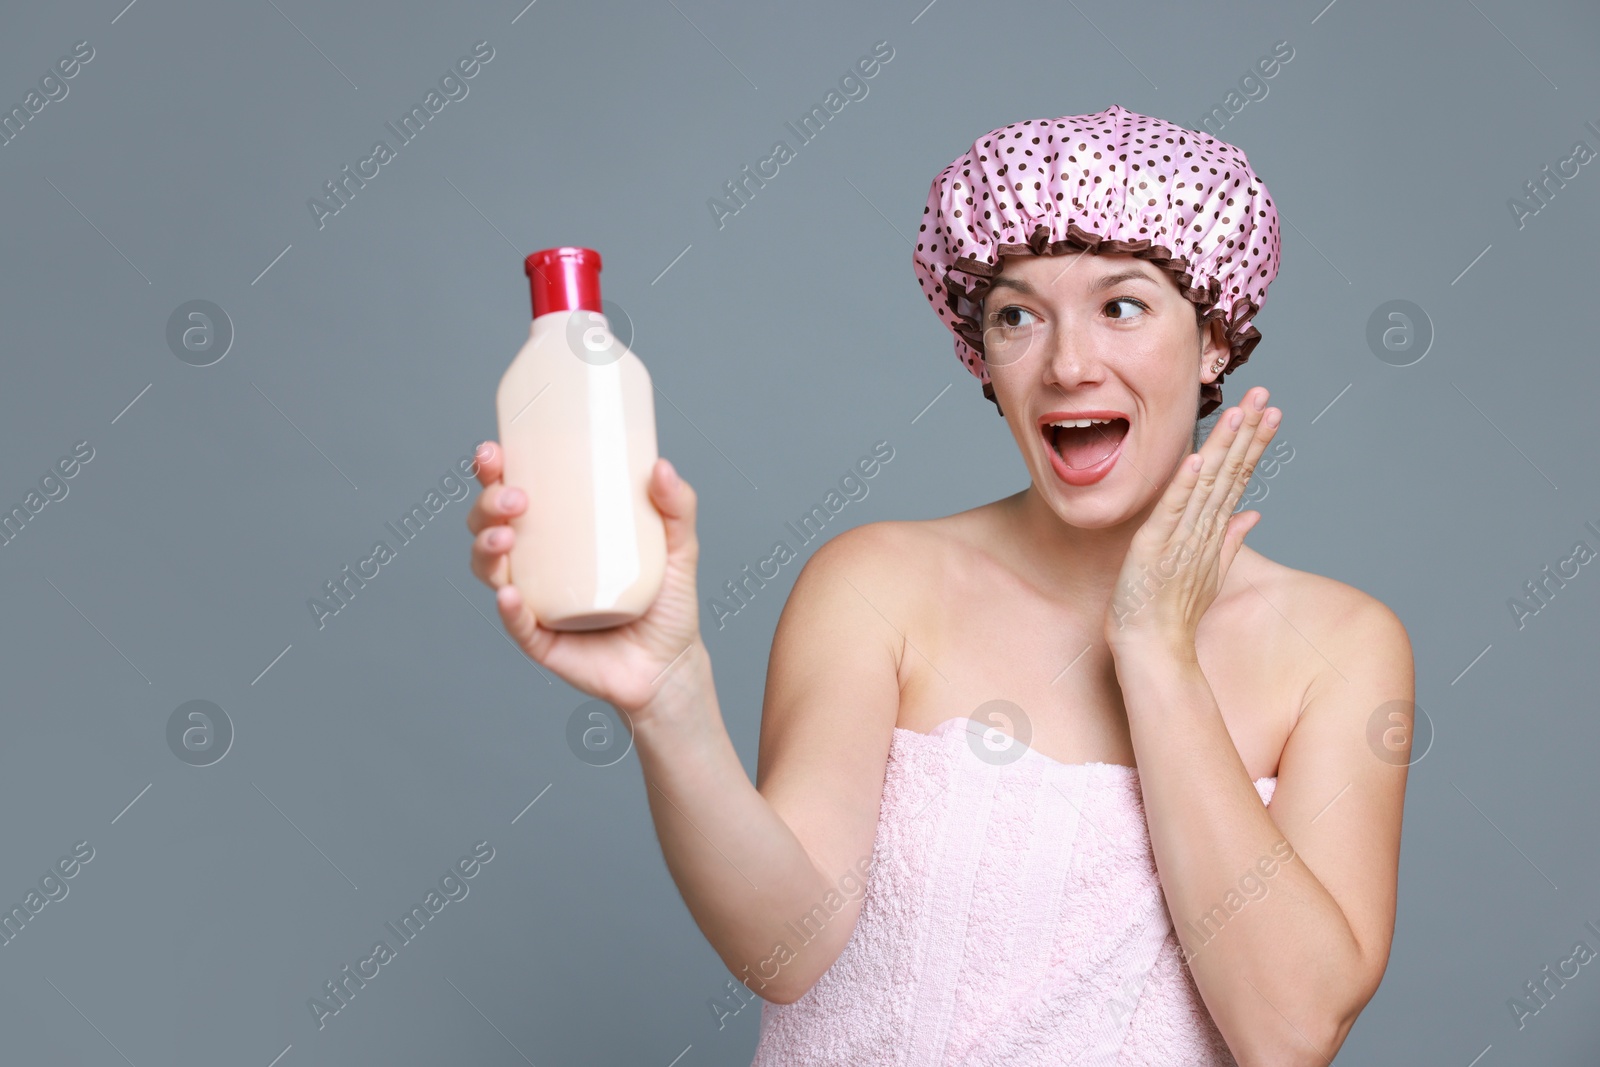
(1083,443)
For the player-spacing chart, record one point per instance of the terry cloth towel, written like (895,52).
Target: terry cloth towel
(1012,916)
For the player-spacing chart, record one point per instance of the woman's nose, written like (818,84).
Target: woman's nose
(1070,360)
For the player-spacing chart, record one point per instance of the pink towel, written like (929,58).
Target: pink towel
(1013,916)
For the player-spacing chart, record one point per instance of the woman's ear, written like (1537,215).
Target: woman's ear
(1214,346)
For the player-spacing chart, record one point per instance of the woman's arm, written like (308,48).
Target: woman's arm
(1285,913)
(774,877)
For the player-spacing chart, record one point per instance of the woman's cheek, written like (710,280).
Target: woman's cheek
(1012,370)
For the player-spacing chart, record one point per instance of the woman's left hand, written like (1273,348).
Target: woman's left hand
(1178,559)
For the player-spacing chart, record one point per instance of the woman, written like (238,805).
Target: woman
(1182,848)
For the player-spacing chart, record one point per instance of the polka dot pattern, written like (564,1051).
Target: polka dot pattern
(1113,181)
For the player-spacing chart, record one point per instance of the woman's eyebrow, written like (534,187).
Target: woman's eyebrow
(1105,282)
(1018,284)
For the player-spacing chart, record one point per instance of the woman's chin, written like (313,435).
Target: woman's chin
(1092,519)
(1099,507)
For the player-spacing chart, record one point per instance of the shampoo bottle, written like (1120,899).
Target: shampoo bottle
(576,416)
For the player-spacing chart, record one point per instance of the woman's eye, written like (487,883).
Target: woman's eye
(1003,317)
(1126,300)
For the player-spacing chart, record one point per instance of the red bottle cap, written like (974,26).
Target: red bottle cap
(564,279)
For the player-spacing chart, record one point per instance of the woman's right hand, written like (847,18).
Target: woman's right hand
(624,665)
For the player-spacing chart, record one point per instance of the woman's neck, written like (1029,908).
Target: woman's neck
(1065,561)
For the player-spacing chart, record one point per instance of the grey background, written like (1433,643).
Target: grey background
(375,751)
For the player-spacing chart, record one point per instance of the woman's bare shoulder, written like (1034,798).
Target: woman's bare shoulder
(1325,624)
(1304,597)
(910,544)
(903,561)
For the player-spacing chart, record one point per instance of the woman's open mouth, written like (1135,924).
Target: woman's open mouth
(1084,446)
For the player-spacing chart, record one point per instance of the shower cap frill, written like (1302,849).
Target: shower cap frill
(1114,181)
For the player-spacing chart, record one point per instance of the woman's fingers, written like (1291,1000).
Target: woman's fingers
(1195,520)
(491,563)
(1230,453)
(491,463)
(1235,529)
(493,504)
(1176,500)
(520,623)
(496,504)
(1179,498)
(1271,418)
(1249,441)
(676,500)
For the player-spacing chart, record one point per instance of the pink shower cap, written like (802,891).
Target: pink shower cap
(1114,181)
